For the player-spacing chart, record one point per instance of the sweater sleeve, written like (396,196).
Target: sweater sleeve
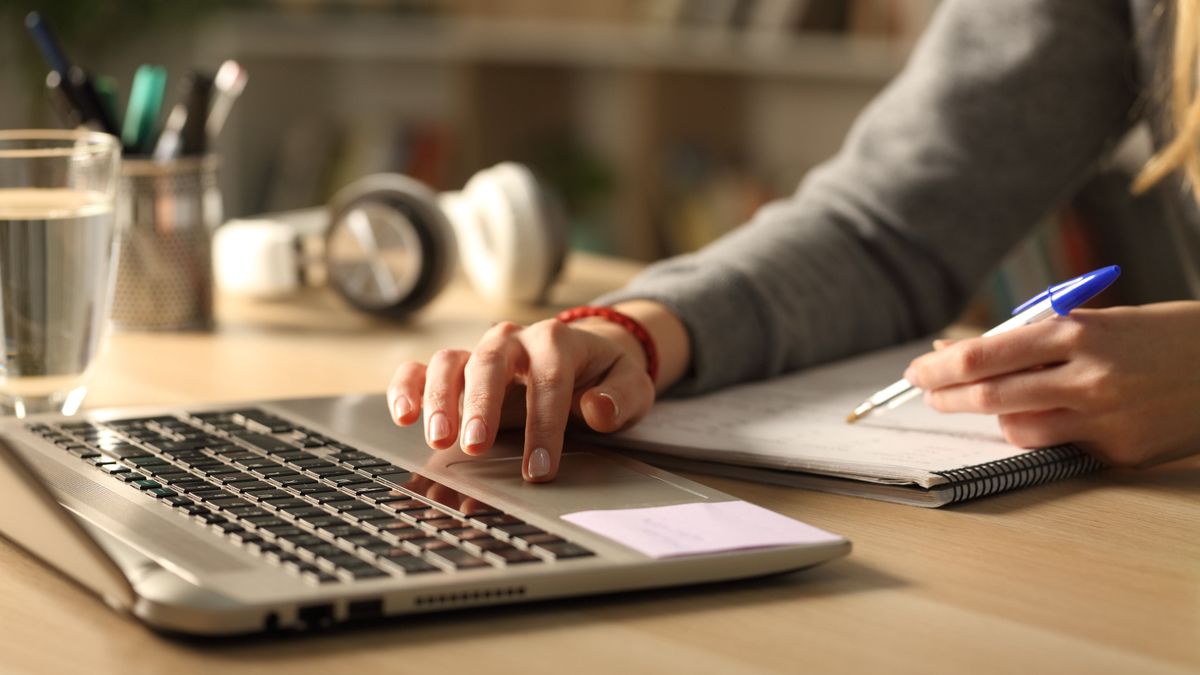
(1001,112)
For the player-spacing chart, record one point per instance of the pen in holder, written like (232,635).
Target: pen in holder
(166,213)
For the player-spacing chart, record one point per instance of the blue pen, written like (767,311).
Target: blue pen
(1057,300)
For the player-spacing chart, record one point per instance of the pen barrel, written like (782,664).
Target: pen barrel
(166,212)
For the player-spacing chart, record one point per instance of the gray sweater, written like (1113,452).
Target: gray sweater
(1006,110)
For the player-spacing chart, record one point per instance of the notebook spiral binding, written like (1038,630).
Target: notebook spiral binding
(1031,468)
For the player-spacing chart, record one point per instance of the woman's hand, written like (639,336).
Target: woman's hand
(538,376)
(1124,383)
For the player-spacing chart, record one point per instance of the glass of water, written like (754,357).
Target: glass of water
(57,260)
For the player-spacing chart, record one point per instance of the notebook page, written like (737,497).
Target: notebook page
(797,422)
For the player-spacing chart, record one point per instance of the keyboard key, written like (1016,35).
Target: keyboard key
(444,523)
(227,502)
(401,503)
(340,481)
(484,544)
(368,514)
(342,530)
(314,463)
(359,573)
(146,485)
(519,530)
(409,563)
(562,550)
(244,537)
(458,559)
(323,521)
(248,512)
(539,538)
(267,443)
(306,512)
(502,519)
(265,520)
(364,462)
(213,496)
(125,451)
(405,533)
(331,470)
(114,469)
(394,475)
(512,556)
(255,418)
(269,493)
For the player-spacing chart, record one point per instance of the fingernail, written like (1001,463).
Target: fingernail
(475,433)
(616,410)
(539,463)
(909,373)
(439,428)
(402,408)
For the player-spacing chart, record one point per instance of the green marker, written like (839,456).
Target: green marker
(106,88)
(145,102)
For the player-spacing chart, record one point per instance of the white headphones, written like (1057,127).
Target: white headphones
(389,243)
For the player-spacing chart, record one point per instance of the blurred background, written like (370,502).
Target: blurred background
(661,123)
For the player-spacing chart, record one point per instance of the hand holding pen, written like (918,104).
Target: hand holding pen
(1122,382)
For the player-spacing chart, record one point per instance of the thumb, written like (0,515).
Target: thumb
(624,396)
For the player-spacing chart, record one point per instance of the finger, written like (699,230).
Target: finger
(974,359)
(1025,391)
(405,391)
(623,396)
(1043,428)
(488,372)
(548,387)
(443,389)
(941,343)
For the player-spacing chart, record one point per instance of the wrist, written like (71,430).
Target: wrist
(617,334)
(629,325)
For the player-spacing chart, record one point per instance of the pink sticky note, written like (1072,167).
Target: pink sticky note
(705,527)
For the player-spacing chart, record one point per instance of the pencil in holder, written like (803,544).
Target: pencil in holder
(166,212)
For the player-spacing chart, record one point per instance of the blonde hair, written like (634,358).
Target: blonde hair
(1183,152)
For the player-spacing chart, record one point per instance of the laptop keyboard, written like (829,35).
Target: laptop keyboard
(305,502)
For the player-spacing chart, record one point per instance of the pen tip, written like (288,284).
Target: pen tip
(852,418)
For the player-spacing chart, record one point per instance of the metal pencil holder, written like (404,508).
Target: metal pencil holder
(166,213)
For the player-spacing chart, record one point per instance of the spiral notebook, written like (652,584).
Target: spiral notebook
(791,430)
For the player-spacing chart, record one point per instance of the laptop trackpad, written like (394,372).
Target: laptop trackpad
(585,480)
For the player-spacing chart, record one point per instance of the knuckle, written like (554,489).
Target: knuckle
(446,355)
(970,358)
(549,377)
(984,397)
(485,358)
(505,329)
(477,401)
(1073,334)
(408,370)
(436,399)
(551,330)
(1099,387)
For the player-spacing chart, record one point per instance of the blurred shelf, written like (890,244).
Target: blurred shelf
(606,46)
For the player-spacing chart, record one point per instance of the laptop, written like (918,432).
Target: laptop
(306,513)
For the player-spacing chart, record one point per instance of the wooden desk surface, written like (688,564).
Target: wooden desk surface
(1094,575)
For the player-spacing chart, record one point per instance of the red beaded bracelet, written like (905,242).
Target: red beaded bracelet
(627,322)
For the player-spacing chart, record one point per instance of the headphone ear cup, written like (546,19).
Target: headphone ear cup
(418,206)
(513,250)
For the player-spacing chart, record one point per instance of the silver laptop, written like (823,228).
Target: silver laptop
(308,513)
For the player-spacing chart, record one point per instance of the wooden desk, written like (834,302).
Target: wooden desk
(1094,575)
